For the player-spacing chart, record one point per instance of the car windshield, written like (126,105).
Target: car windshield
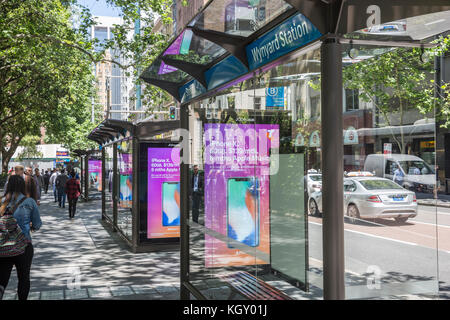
(417,167)
(379,184)
(316,178)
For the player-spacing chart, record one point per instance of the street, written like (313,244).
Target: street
(400,252)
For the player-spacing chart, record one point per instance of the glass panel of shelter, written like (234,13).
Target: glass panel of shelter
(124,205)
(290,102)
(239,17)
(254,210)
(390,241)
(109,182)
(224,194)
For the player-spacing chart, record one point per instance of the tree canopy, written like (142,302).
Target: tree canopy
(45,70)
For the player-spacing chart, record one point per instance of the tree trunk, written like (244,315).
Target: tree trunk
(7,155)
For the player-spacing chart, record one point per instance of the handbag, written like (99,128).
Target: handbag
(12,240)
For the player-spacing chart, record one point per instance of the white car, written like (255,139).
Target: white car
(314,182)
(372,197)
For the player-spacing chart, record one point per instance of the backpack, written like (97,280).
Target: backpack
(12,240)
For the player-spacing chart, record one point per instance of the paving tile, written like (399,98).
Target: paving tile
(99,292)
(34,296)
(121,291)
(9,296)
(166,289)
(52,295)
(76,294)
(143,289)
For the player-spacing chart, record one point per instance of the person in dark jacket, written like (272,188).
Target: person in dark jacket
(196,192)
(73,191)
(60,183)
(46,181)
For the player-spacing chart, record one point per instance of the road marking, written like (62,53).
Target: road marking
(431,224)
(430,210)
(371,235)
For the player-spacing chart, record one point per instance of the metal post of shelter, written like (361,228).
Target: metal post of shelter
(103,183)
(86,177)
(184,207)
(332,170)
(135,196)
(115,196)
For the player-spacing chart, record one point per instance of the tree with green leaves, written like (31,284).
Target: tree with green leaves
(45,70)
(142,48)
(395,83)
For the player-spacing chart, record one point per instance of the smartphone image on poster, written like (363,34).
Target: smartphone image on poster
(243,210)
(125,195)
(170,204)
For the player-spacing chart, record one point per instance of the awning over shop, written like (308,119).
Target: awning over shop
(230,38)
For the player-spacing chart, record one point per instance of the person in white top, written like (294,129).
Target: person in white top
(52,182)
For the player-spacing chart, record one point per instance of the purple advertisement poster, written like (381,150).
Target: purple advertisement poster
(163,194)
(95,174)
(126,180)
(237,170)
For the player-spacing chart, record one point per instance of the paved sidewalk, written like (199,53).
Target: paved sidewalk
(82,259)
(427,199)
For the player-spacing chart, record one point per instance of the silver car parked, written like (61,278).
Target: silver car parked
(372,197)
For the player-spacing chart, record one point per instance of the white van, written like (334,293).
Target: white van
(418,175)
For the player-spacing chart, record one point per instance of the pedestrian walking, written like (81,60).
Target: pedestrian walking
(52,181)
(46,181)
(31,189)
(25,212)
(73,191)
(398,176)
(40,180)
(196,192)
(60,183)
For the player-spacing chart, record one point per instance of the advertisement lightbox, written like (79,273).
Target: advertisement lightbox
(237,193)
(125,180)
(163,193)
(95,174)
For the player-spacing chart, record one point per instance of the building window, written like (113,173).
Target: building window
(351,99)
(257,103)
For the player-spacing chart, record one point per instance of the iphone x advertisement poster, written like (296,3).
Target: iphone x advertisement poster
(95,174)
(237,173)
(163,193)
(126,180)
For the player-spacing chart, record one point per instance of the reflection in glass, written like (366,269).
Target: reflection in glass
(109,182)
(246,142)
(389,251)
(125,171)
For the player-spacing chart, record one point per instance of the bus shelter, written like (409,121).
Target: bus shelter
(89,161)
(272,111)
(139,174)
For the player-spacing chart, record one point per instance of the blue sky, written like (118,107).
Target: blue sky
(100,8)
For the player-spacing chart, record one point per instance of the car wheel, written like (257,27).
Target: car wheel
(313,209)
(401,219)
(353,213)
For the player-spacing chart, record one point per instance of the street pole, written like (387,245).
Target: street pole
(332,170)
(107,97)
(137,32)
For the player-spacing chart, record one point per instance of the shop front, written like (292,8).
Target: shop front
(262,108)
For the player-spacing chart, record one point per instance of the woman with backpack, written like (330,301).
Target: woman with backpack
(19,216)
